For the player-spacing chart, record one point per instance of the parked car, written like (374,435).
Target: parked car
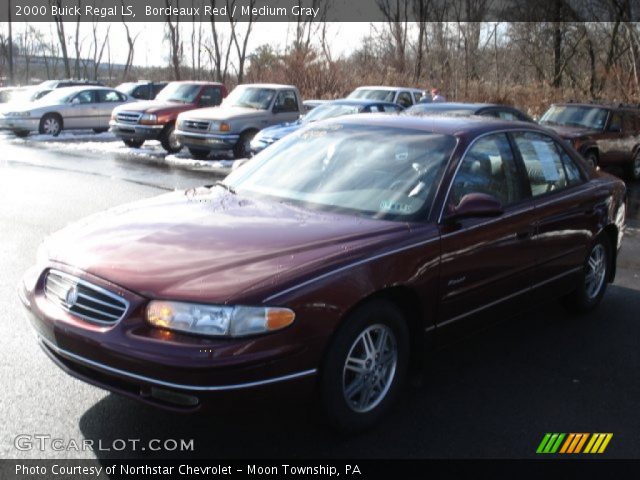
(605,135)
(64,108)
(7,94)
(336,108)
(142,90)
(403,96)
(248,109)
(504,112)
(156,119)
(326,262)
(38,91)
(311,104)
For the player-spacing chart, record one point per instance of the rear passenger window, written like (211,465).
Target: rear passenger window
(542,161)
(417,96)
(210,96)
(574,176)
(489,167)
(404,99)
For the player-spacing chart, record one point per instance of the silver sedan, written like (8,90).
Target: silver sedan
(64,108)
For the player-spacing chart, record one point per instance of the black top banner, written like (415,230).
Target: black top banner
(320,10)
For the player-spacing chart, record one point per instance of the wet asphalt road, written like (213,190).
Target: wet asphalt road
(492,395)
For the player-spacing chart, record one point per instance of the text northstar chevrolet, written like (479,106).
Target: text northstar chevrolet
(328,260)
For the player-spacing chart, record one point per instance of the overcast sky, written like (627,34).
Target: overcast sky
(344,37)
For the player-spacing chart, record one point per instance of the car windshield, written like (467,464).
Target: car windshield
(57,96)
(373,94)
(250,97)
(339,167)
(179,92)
(322,112)
(575,116)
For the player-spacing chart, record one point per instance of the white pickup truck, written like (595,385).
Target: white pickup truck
(231,126)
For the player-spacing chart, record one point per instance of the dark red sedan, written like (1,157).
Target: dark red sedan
(328,260)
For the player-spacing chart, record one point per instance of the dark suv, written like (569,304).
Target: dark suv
(605,135)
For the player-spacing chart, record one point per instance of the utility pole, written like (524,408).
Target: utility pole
(10,45)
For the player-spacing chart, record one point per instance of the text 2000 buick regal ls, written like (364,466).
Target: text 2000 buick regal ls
(328,260)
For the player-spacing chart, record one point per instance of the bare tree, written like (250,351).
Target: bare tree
(62,38)
(175,41)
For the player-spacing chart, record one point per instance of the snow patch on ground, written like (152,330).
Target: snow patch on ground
(108,144)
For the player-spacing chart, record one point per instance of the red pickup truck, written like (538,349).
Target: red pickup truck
(155,120)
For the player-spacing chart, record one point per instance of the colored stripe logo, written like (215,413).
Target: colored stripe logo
(574,443)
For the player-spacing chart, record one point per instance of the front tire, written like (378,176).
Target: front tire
(199,153)
(100,130)
(132,143)
(169,141)
(50,124)
(633,169)
(591,157)
(242,149)
(594,278)
(365,366)
(21,133)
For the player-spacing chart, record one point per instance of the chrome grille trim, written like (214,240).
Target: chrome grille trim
(93,303)
(128,117)
(200,126)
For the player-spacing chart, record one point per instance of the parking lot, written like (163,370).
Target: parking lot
(492,395)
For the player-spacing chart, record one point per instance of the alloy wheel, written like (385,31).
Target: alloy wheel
(596,270)
(51,126)
(370,368)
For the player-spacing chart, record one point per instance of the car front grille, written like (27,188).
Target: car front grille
(84,299)
(128,117)
(195,125)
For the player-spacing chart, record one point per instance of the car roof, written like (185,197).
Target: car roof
(385,87)
(585,104)
(192,82)
(359,101)
(79,88)
(457,126)
(267,85)
(458,105)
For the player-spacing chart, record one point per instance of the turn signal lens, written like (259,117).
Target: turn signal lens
(278,318)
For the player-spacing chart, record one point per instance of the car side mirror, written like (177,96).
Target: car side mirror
(615,129)
(477,205)
(277,109)
(75,101)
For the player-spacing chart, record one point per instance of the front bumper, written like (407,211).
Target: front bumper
(22,124)
(207,141)
(169,370)
(129,131)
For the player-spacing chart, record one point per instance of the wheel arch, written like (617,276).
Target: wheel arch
(56,114)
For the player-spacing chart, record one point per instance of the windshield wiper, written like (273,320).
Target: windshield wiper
(229,188)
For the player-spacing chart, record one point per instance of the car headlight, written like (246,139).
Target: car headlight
(217,320)
(148,119)
(18,114)
(219,127)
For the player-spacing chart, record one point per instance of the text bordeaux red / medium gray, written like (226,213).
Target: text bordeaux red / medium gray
(329,260)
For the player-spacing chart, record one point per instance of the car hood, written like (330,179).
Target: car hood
(224,113)
(157,107)
(278,131)
(570,132)
(210,245)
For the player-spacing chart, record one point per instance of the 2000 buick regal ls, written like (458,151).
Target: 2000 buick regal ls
(328,260)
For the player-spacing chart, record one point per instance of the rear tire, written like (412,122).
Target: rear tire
(199,154)
(633,169)
(365,366)
(593,279)
(131,143)
(50,124)
(242,149)
(21,133)
(168,139)
(591,156)
(100,130)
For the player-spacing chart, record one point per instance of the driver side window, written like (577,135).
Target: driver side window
(286,102)
(489,167)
